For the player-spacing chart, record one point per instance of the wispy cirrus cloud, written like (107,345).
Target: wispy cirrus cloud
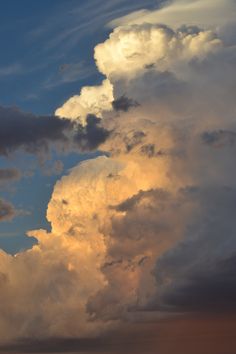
(63,28)
(67,73)
(10,70)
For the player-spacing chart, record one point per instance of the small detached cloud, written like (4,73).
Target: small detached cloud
(7,211)
(9,175)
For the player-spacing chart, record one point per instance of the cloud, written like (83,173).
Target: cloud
(92,135)
(133,48)
(19,130)
(139,232)
(190,333)
(175,13)
(67,261)
(211,292)
(219,138)
(38,134)
(9,175)
(124,104)
(14,69)
(197,275)
(7,211)
(67,73)
(55,345)
(92,17)
(92,100)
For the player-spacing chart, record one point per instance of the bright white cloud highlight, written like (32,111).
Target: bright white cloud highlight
(92,100)
(131,49)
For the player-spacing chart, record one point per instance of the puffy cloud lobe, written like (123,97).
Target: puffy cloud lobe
(92,100)
(131,49)
(130,52)
(67,260)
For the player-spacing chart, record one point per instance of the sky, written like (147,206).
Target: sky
(117,177)
(47,58)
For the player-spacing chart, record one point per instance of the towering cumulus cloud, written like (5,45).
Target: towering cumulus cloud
(92,100)
(150,227)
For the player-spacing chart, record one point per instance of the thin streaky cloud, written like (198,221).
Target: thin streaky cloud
(91,16)
(11,70)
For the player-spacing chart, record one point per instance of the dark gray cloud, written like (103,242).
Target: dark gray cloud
(166,86)
(191,234)
(199,273)
(133,202)
(9,174)
(130,340)
(185,334)
(209,290)
(90,136)
(150,150)
(133,139)
(19,130)
(7,211)
(36,134)
(56,345)
(220,138)
(124,103)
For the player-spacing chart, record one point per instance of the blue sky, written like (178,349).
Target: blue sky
(47,56)
(42,38)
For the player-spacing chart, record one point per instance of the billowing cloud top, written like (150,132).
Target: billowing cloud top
(131,49)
